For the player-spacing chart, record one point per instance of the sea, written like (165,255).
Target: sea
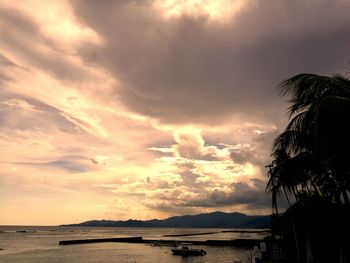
(34,244)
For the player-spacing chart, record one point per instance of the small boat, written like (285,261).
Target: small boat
(186,251)
(162,243)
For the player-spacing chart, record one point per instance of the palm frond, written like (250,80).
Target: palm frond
(305,89)
(297,123)
(292,142)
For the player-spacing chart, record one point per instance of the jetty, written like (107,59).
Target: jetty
(102,240)
(239,243)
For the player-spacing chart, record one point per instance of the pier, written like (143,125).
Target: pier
(102,240)
(239,243)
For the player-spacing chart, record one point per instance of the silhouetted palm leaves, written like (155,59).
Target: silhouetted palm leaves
(312,155)
(311,167)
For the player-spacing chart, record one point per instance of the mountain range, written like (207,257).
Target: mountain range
(208,220)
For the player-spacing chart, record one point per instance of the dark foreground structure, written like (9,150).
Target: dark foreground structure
(313,231)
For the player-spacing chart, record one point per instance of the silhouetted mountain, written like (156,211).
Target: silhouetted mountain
(211,220)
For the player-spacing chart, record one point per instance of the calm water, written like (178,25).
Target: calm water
(40,244)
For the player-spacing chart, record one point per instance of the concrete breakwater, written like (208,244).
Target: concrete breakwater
(102,240)
(240,243)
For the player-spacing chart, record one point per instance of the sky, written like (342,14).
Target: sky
(149,109)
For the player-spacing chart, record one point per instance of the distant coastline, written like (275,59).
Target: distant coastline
(208,220)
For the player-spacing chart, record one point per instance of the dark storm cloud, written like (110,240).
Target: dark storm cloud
(266,138)
(169,207)
(22,35)
(259,151)
(196,70)
(241,194)
(243,156)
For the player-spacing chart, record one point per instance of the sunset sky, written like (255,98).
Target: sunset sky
(149,109)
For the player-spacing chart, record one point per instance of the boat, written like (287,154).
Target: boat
(186,251)
(163,243)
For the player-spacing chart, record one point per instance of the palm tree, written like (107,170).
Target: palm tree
(288,176)
(311,159)
(315,155)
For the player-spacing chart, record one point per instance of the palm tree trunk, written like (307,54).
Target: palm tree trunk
(296,241)
(293,224)
(345,196)
(340,176)
(285,193)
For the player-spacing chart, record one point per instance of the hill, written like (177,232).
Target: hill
(209,220)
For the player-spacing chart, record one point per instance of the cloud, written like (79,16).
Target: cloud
(243,156)
(23,36)
(144,106)
(257,152)
(191,145)
(72,164)
(5,64)
(19,112)
(252,196)
(190,69)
